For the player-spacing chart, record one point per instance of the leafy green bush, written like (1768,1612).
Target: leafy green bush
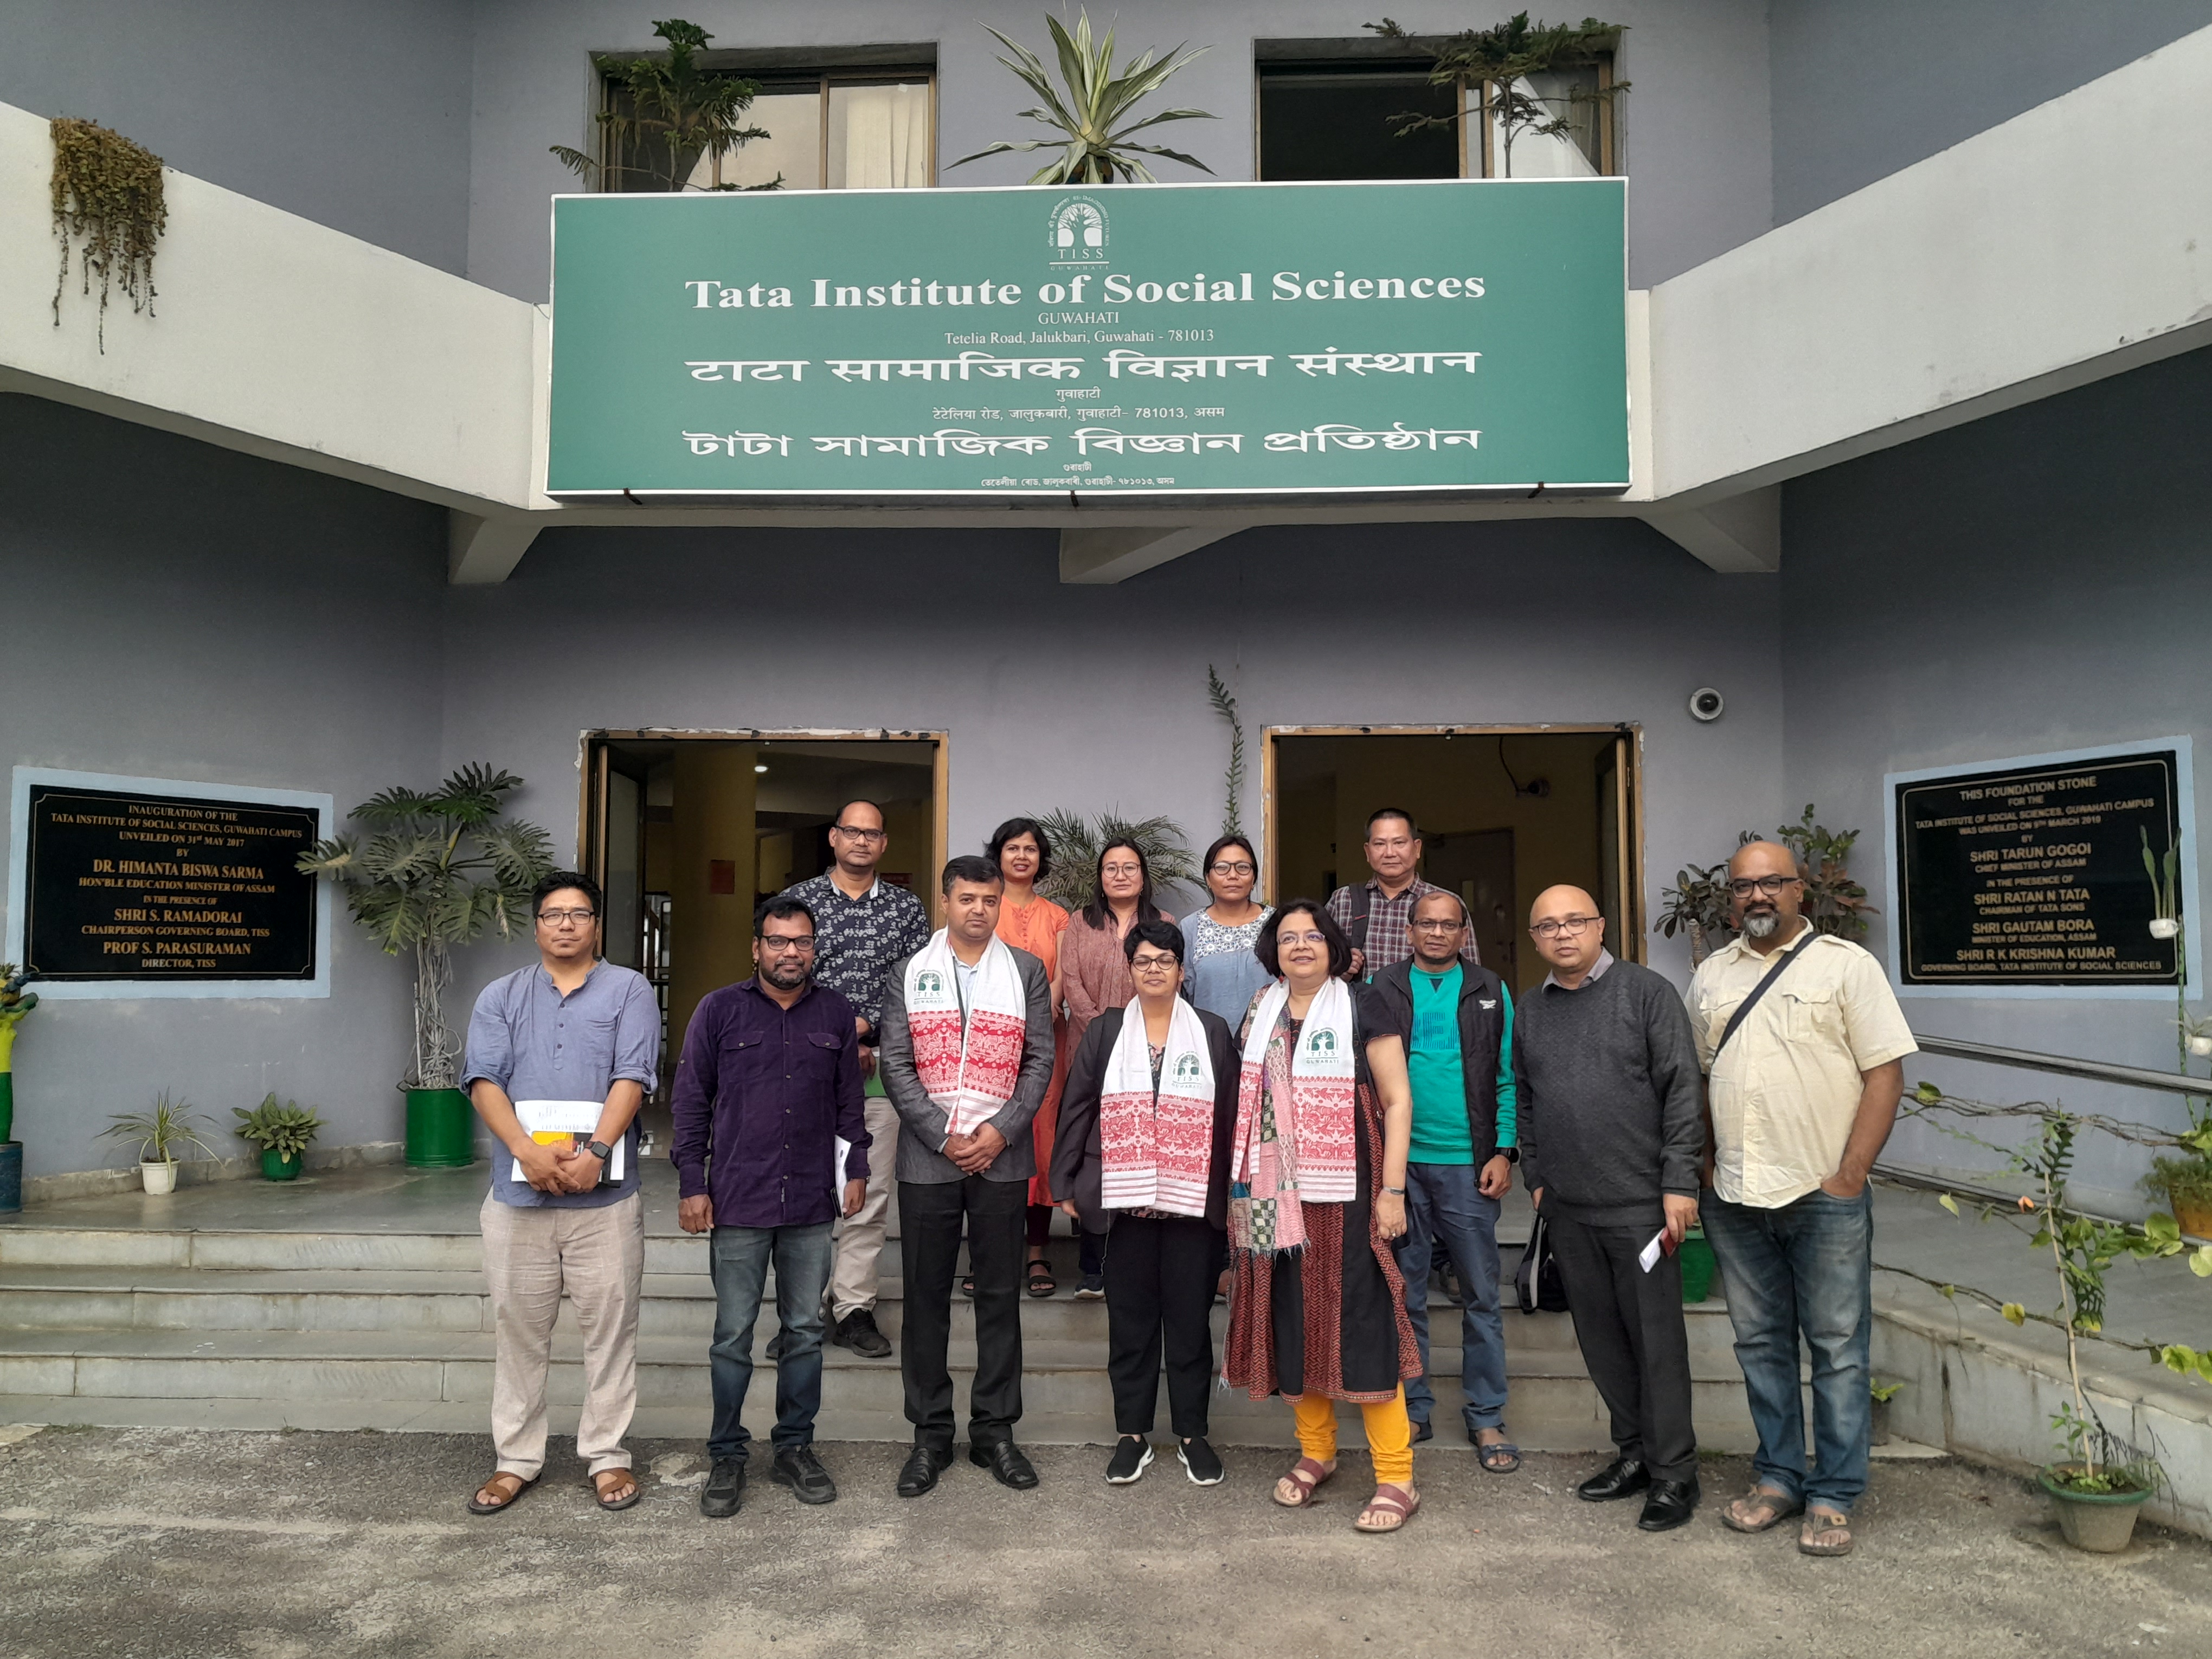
(284,1129)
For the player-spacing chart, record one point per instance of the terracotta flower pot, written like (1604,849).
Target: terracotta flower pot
(2194,1214)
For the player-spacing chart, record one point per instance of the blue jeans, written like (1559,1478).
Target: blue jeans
(1443,1205)
(1807,1266)
(739,1258)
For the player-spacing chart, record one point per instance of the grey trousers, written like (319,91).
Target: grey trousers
(860,1237)
(531,1256)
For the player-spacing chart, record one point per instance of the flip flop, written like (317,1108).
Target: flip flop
(1305,1474)
(1824,1532)
(1400,1506)
(600,1493)
(1498,1456)
(501,1480)
(1766,1508)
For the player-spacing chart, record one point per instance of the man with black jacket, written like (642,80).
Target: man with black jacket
(1460,1062)
(1606,1076)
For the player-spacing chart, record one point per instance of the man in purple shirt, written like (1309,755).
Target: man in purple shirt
(768,1084)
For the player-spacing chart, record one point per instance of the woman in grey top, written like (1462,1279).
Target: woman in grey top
(1224,975)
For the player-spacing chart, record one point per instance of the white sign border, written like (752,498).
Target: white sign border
(2185,791)
(19,855)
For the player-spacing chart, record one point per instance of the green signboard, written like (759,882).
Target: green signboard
(1460,336)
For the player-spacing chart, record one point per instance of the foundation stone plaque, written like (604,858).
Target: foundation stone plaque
(120,885)
(2035,875)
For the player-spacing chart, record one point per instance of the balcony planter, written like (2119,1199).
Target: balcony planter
(440,1129)
(2100,1522)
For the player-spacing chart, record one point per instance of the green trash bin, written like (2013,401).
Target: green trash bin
(442,1129)
(1697,1266)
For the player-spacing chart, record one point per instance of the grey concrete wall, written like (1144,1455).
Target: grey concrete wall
(169,610)
(1695,125)
(1095,697)
(2032,582)
(355,116)
(1861,89)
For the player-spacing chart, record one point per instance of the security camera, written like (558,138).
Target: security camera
(1705,704)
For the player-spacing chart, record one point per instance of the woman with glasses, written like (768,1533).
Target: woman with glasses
(1144,1151)
(1317,1193)
(1224,975)
(1031,922)
(1094,976)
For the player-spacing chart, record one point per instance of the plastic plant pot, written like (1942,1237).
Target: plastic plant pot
(442,1129)
(159,1179)
(275,1166)
(1696,1256)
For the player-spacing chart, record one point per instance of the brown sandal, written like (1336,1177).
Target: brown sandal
(607,1480)
(1760,1509)
(1826,1532)
(1305,1474)
(506,1486)
(1395,1503)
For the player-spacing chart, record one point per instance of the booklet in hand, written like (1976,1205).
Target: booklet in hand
(567,1125)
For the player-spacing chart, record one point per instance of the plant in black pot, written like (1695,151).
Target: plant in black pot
(281,1131)
(435,870)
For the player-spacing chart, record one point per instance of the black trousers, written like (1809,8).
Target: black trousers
(931,1213)
(1159,1284)
(1628,1324)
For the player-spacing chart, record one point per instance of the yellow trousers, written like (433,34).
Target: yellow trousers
(1389,1434)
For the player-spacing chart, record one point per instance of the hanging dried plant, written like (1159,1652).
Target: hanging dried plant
(107,195)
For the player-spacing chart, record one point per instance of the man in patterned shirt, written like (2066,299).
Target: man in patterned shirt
(862,924)
(1378,916)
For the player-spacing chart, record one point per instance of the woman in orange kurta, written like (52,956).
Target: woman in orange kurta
(1033,924)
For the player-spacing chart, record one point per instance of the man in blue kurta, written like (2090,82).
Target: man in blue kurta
(770,1083)
(577,1040)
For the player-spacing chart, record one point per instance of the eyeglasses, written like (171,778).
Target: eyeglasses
(776,947)
(859,835)
(1225,868)
(554,918)
(1432,926)
(1152,964)
(1764,886)
(1121,869)
(1564,925)
(1287,938)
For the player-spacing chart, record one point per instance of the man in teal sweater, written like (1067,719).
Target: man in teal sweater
(1460,1062)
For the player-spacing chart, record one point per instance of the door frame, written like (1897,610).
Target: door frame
(592,765)
(1628,800)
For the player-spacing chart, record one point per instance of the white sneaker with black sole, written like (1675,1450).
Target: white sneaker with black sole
(1200,1463)
(1132,1457)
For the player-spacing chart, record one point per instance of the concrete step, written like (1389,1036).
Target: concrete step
(675,1305)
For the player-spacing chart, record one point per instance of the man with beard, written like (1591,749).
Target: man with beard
(768,1083)
(1802,1044)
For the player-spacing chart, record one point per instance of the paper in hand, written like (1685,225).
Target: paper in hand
(1648,1258)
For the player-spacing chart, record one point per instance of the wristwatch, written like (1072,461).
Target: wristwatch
(600,1150)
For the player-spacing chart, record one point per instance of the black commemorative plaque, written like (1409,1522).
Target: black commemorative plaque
(164,888)
(2035,875)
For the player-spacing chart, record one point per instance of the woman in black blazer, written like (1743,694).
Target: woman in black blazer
(1161,1261)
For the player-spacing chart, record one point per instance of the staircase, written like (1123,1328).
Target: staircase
(170,1311)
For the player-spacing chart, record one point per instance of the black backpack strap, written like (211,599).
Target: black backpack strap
(1761,989)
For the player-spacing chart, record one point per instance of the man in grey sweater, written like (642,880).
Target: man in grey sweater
(1606,1070)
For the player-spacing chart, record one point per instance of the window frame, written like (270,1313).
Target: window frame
(786,70)
(1321,58)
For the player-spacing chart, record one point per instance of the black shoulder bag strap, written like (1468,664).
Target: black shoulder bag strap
(1761,989)
(1358,931)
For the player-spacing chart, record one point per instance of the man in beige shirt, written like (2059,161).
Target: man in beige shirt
(1800,1098)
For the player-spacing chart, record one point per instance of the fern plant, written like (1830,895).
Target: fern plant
(1086,112)
(436,872)
(1076,841)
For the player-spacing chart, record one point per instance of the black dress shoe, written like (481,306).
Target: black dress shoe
(1621,1478)
(724,1491)
(920,1471)
(797,1468)
(857,1331)
(1670,1505)
(1005,1462)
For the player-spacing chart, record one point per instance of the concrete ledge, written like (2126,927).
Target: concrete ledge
(100,1183)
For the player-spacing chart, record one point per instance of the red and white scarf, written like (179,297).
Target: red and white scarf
(968,1065)
(1312,1158)
(1158,1154)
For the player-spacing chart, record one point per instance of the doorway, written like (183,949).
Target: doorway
(1504,812)
(687,832)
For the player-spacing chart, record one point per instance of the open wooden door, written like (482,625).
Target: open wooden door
(1620,847)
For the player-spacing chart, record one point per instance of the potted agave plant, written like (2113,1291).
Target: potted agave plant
(165,1126)
(281,1131)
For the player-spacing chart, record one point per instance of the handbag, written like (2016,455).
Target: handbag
(1537,1284)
